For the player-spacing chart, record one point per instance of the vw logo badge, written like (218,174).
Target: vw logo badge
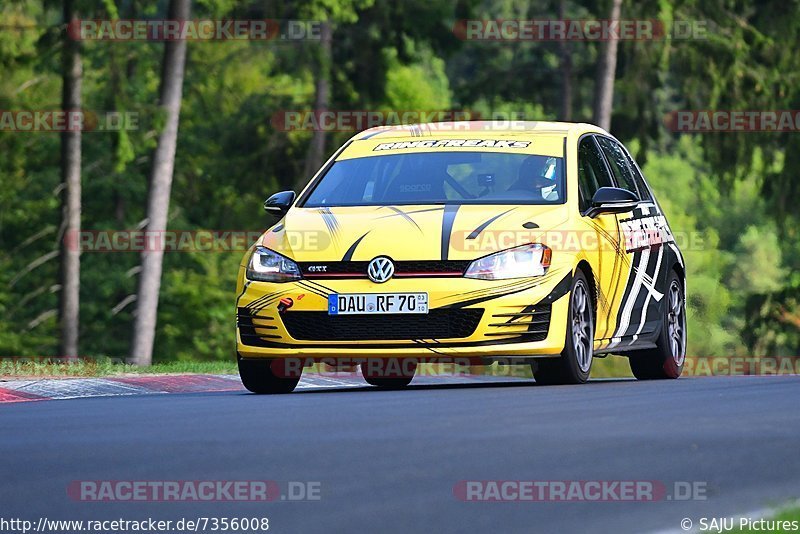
(380,269)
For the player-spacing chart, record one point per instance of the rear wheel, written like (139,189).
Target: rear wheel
(266,376)
(575,362)
(666,360)
(389,373)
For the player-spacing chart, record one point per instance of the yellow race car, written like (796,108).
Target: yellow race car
(537,243)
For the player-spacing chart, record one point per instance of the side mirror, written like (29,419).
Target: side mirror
(612,200)
(279,203)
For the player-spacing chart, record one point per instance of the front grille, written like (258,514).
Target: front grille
(437,324)
(358,269)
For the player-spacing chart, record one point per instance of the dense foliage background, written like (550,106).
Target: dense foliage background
(735,193)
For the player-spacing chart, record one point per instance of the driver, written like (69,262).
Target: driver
(533,177)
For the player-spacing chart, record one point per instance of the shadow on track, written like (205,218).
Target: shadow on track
(447,386)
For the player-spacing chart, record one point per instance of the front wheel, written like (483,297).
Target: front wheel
(666,360)
(258,376)
(575,362)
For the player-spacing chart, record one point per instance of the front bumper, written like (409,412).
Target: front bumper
(520,318)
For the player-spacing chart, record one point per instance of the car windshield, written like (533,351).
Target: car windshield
(441,178)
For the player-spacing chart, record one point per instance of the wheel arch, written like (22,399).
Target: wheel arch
(586,269)
(681,272)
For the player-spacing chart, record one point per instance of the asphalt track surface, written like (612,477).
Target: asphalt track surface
(388,461)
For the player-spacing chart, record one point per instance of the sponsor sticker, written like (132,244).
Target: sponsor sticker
(645,232)
(453,143)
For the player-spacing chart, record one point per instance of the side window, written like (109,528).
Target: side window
(618,161)
(592,172)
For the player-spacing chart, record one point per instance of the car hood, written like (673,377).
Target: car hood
(424,232)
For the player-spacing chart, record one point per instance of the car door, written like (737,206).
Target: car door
(638,314)
(609,260)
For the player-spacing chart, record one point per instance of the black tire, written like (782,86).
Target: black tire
(388,374)
(666,360)
(575,362)
(259,377)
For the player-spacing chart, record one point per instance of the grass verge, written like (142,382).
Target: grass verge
(21,368)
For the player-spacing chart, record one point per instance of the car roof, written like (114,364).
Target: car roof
(519,129)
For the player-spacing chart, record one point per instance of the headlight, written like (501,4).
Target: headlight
(518,262)
(268,266)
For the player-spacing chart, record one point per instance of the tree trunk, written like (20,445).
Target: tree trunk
(158,196)
(316,150)
(604,93)
(70,268)
(566,69)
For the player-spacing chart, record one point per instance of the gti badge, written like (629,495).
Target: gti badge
(380,269)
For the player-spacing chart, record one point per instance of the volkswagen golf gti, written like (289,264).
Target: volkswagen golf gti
(535,243)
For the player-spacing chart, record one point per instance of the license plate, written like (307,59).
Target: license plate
(377,303)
